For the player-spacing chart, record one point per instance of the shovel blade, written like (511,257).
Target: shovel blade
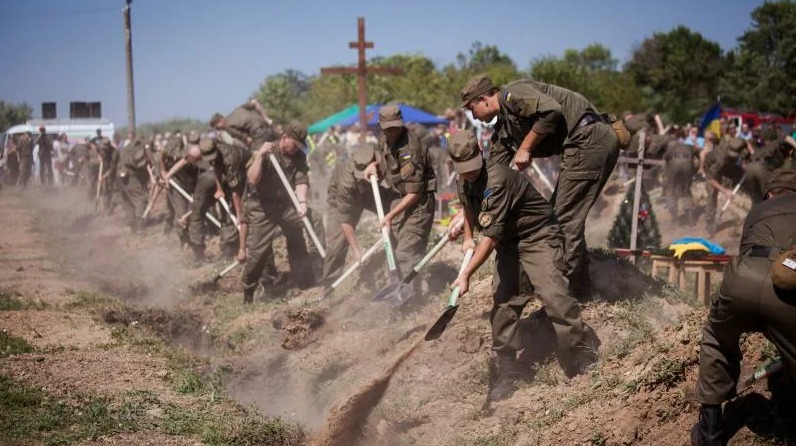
(399,296)
(439,327)
(386,292)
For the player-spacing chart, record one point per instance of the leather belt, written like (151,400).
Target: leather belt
(588,119)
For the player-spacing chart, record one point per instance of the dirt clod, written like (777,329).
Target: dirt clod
(299,327)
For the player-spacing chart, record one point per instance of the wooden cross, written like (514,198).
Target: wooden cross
(362,71)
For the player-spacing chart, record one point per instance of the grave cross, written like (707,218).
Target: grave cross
(362,71)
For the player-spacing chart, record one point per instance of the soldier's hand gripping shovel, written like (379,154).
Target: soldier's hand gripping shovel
(395,275)
(296,204)
(396,294)
(439,327)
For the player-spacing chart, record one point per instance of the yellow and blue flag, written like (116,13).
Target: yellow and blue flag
(710,121)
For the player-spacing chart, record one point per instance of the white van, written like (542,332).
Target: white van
(76,129)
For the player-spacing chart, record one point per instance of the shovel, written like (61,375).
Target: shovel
(727,204)
(353,268)
(190,200)
(289,188)
(439,327)
(397,293)
(225,205)
(99,187)
(212,284)
(395,275)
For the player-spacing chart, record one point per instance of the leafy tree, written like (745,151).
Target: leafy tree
(760,72)
(678,72)
(593,73)
(282,94)
(13,114)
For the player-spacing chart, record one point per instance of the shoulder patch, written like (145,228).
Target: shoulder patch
(507,96)
(484,219)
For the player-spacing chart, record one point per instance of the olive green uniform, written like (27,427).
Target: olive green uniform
(245,123)
(234,158)
(405,169)
(679,173)
(506,207)
(581,136)
(721,164)
(748,301)
(78,158)
(203,199)
(765,161)
(132,177)
(25,153)
(266,210)
(110,162)
(347,197)
(186,178)
(45,144)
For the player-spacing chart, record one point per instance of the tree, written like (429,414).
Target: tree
(486,59)
(591,72)
(760,71)
(282,94)
(678,72)
(13,114)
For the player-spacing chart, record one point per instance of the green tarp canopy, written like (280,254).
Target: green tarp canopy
(330,121)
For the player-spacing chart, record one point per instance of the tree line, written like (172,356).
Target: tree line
(678,74)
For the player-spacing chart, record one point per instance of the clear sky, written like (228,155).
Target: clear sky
(195,57)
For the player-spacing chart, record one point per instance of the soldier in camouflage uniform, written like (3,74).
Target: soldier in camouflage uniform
(680,171)
(765,161)
(722,165)
(133,179)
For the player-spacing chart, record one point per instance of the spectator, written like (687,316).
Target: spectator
(744,132)
(693,138)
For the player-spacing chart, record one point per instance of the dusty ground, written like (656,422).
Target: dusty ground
(113,316)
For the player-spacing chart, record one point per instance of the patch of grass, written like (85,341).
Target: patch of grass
(84,300)
(506,437)
(9,302)
(638,330)
(29,416)
(667,373)
(250,429)
(12,345)
(476,378)
(546,373)
(597,438)
(189,381)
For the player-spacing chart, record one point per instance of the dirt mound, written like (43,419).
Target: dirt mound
(346,422)
(182,328)
(299,327)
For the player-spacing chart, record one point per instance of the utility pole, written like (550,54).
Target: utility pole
(361,71)
(128,46)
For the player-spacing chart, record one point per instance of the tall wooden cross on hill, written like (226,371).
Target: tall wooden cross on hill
(362,71)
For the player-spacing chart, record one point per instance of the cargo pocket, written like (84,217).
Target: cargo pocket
(556,244)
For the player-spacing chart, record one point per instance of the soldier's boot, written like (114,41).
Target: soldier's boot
(248,295)
(198,254)
(507,375)
(710,430)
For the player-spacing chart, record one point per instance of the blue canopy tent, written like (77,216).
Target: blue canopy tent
(332,120)
(350,115)
(410,114)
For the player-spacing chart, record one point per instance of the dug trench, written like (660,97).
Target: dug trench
(348,370)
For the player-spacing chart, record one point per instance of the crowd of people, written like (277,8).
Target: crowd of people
(260,172)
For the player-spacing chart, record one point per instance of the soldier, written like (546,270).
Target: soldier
(174,150)
(402,161)
(25,154)
(45,144)
(78,159)
(349,194)
(248,123)
(680,170)
(765,161)
(515,219)
(12,161)
(539,120)
(133,179)
(232,167)
(720,164)
(110,160)
(268,208)
(750,299)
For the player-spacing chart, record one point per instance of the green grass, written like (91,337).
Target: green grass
(12,345)
(84,300)
(8,302)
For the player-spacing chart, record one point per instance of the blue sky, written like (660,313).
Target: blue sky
(195,57)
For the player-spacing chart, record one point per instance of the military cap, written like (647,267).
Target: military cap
(215,119)
(362,157)
(296,131)
(475,87)
(464,152)
(782,179)
(783,270)
(390,116)
(193,137)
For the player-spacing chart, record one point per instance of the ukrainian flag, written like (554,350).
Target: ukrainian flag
(710,121)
